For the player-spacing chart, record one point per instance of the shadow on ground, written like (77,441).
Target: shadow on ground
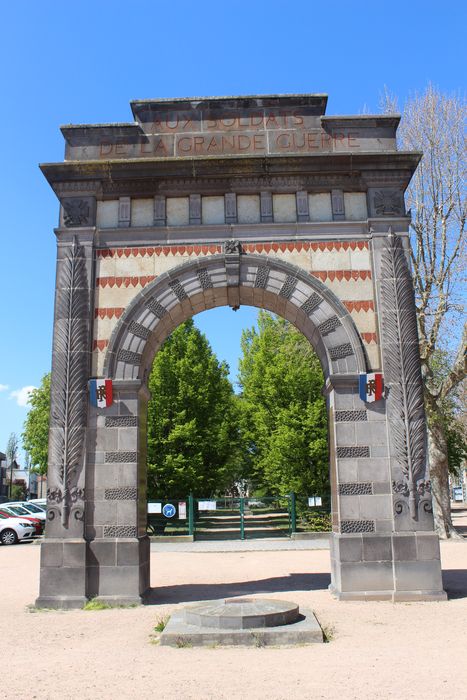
(455,583)
(186,593)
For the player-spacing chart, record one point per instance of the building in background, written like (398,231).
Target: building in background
(31,484)
(3,478)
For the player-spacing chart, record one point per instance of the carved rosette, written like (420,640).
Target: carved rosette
(69,389)
(403,380)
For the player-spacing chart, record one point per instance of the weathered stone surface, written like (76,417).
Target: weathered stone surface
(215,622)
(280,223)
(242,613)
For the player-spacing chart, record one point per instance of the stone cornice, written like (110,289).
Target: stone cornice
(118,174)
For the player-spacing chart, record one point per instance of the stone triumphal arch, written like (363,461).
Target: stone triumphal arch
(258,200)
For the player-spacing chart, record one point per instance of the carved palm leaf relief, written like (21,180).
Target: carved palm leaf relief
(402,371)
(69,380)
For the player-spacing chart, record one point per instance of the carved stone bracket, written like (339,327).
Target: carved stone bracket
(403,378)
(233,250)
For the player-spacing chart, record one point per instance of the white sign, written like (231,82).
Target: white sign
(154,507)
(182,510)
(207,505)
(314,501)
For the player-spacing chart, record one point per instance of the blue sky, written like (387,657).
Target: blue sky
(82,62)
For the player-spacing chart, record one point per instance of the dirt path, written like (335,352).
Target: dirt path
(378,650)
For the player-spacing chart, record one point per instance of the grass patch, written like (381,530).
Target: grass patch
(183,643)
(96,604)
(33,609)
(328,632)
(161,623)
(259,639)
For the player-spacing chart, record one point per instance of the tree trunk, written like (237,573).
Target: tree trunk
(439,474)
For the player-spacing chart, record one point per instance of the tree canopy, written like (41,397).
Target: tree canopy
(193,439)
(35,434)
(284,413)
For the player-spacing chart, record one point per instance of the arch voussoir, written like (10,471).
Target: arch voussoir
(262,282)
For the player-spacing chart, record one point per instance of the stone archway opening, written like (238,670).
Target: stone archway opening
(232,278)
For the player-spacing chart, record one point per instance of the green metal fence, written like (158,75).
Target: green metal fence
(224,518)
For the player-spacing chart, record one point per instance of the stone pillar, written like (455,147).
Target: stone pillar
(383,545)
(417,567)
(63,552)
(361,554)
(118,546)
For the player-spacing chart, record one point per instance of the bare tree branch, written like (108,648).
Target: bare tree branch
(435,124)
(459,368)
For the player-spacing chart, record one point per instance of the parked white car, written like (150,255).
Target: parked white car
(13,530)
(18,509)
(33,508)
(40,502)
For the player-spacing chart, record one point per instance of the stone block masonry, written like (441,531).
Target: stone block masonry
(261,201)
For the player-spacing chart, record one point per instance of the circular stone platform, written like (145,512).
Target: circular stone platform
(242,613)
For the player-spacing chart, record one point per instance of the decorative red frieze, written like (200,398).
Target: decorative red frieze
(160,250)
(367,305)
(290,246)
(340,275)
(369,337)
(124,281)
(108,312)
(100,345)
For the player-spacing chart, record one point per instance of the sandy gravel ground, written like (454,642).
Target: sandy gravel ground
(378,650)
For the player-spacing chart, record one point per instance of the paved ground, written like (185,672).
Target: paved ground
(256,545)
(378,650)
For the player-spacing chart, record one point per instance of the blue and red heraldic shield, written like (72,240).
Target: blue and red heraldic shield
(100,392)
(371,387)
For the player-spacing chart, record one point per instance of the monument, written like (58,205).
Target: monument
(205,202)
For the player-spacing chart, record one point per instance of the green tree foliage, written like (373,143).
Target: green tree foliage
(451,413)
(35,435)
(284,413)
(193,441)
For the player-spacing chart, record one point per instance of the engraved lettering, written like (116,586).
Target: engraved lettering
(198,141)
(246,142)
(258,142)
(185,145)
(312,146)
(338,136)
(298,119)
(105,148)
(227,143)
(271,119)
(160,146)
(175,123)
(283,141)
